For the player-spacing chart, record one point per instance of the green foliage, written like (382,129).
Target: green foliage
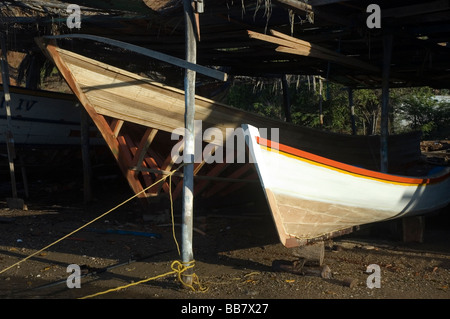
(420,110)
(411,108)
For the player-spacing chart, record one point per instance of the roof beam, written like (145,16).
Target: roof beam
(411,10)
(296,4)
(316,3)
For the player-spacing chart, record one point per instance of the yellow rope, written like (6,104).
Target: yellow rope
(177,267)
(92,221)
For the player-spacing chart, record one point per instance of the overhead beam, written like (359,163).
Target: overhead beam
(296,4)
(297,46)
(423,8)
(218,75)
(317,3)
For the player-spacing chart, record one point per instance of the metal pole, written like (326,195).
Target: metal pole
(187,255)
(387,55)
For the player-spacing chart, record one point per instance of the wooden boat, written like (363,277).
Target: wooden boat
(136,116)
(43,118)
(312,197)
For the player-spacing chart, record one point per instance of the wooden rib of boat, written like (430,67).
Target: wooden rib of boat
(312,197)
(136,116)
(43,118)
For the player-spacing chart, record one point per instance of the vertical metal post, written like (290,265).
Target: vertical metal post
(187,255)
(352,110)
(387,55)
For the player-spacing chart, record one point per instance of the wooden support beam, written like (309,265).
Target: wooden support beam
(144,144)
(250,179)
(291,45)
(14,202)
(189,65)
(317,3)
(413,229)
(146,162)
(352,109)
(116,126)
(387,54)
(296,4)
(286,99)
(320,102)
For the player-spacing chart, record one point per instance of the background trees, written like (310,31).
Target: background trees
(422,108)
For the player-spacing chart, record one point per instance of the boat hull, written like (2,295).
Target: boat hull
(44,118)
(312,197)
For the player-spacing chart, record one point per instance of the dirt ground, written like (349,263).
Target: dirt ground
(235,246)
(234,253)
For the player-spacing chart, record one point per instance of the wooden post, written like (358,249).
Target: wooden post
(187,255)
(87,172)
(413,228)
(14,202)
(352,109)
(286,99)
(387,54)
(320,102)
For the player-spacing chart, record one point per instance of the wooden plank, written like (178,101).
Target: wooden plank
(145,143)
(296,46)
(218,75)
(147,161)
(116,126)
(295,4)
(304,43)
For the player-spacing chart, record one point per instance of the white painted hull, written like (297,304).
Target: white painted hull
(43,118)
(312,197)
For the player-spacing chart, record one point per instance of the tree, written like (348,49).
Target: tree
(420,110)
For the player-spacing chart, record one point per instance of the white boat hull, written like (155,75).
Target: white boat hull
(43,118)
(312,197)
